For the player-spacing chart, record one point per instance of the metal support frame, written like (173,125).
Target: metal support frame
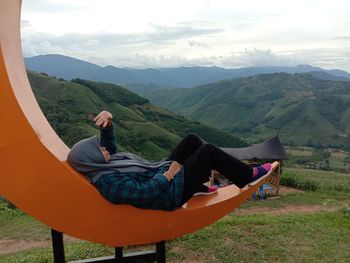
(57,246)
(157,255)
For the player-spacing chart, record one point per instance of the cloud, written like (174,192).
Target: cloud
(44,47)
(329,58)
(181,33)
(92,42)
(45,6)
(162,33)
(346,38)
(160,48)
(25,23)
(325,58)
(123,51)
(159,35)
(257,57)
(246,58)
(107,44)
(194,43)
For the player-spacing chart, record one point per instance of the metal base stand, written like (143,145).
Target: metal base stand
(157,255)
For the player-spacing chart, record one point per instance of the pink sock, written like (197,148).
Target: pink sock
(255,171)
(266,166)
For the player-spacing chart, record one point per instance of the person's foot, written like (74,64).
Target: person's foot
(259,173)
(206,190)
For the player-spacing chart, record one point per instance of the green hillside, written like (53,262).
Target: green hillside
(303,110)
(142,128)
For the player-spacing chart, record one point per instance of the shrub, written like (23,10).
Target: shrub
(5,204)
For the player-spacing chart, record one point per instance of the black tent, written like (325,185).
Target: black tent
(271,149)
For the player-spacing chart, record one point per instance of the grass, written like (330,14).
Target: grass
(305,198)
(336,162)
(306,179)
(320,159)
(317,237)
(299,151)
(322,188)
(76,251)
(14,224)
(309,237)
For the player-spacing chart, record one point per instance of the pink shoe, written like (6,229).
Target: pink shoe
(206,190)
(259,173)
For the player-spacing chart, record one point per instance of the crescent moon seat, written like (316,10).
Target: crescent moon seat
(35,176)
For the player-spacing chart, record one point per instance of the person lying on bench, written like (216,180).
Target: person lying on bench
(126,178)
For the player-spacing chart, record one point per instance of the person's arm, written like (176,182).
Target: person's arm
(107,133)
(174,168)
(107,138)
(134,192)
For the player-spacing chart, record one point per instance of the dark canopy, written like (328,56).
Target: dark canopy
(270,149)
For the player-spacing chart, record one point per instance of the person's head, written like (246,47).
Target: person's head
(88,153)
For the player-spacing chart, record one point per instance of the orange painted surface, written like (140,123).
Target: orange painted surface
(35,177)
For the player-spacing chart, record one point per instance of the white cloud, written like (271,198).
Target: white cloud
(158,33)
(92,42)
(194,43)
(25,23)
(257,57)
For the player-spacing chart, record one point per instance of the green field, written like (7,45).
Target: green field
(308,225)
(321,159)
(316,180)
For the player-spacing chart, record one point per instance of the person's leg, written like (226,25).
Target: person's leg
(209,157)
(188,145)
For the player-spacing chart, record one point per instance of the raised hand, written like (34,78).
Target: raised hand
(103,119)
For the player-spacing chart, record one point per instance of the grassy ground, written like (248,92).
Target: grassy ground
(337,200)
(16,225)
(317,236)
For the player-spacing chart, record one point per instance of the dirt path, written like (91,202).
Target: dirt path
(294,209)
(9,246)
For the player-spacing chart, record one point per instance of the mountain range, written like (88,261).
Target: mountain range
(184,77)
(311,108)
(141,127)
(302,109)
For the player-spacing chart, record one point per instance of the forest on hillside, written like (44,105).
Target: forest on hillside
(141,127)
(301,109)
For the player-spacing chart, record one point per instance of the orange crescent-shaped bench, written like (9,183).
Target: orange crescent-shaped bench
(36,178)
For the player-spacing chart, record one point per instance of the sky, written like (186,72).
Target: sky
(162,33)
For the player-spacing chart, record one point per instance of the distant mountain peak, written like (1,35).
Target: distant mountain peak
(185,77)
